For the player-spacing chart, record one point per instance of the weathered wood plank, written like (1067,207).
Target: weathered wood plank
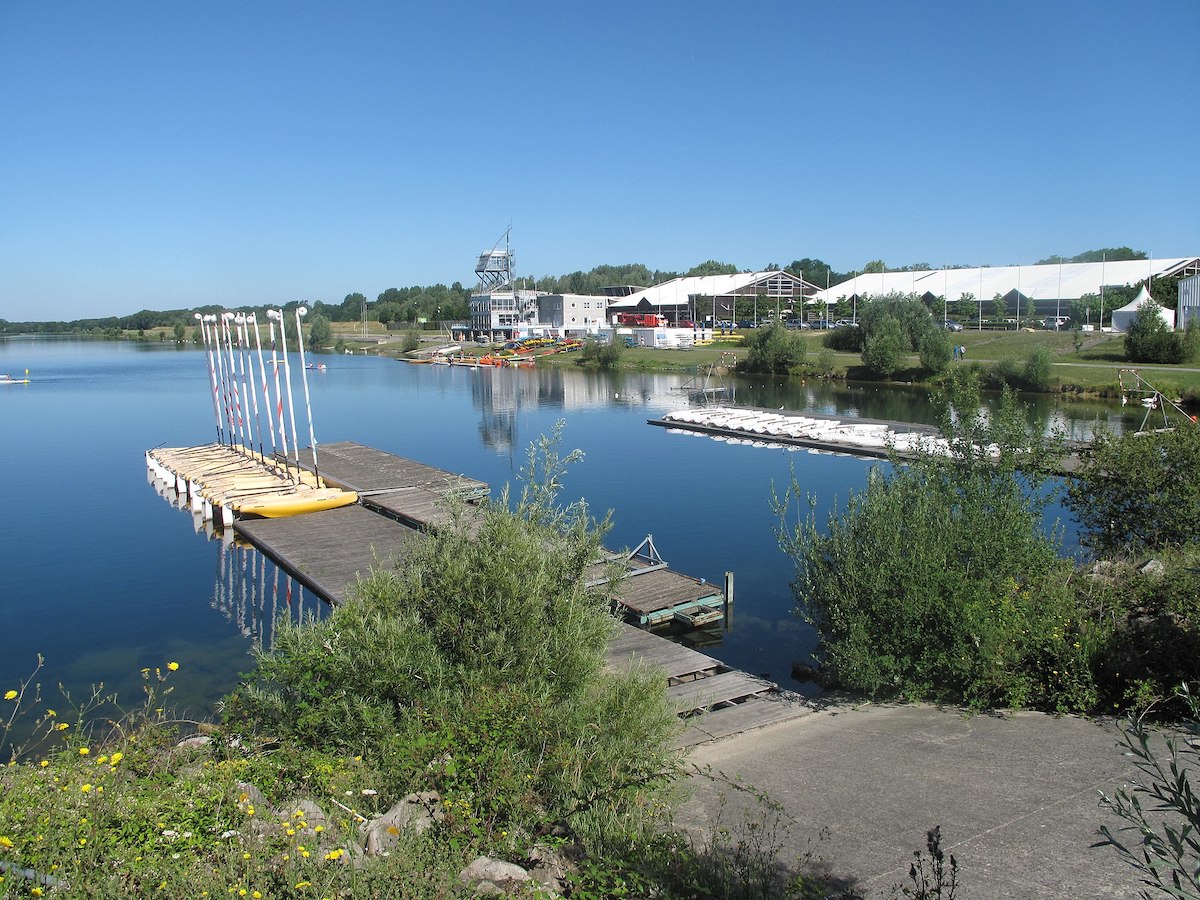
(328,551)
(723,688)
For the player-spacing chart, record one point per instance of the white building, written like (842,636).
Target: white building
(572,314)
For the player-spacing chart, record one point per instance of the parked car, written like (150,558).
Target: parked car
(843,323)
(746,323)
(951,325)
(685,323)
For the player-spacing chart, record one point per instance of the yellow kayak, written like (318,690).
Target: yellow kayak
(279,506)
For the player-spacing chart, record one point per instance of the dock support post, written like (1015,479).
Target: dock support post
(728,600)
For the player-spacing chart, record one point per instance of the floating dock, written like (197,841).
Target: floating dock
(875,438)
(328,551)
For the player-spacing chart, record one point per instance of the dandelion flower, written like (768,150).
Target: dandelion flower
(116,757)
(335,854)
(63,726)
(101,760)
(10,695)
(84,751)
(50,714)
(173,666)
(44,763)
(257,895)
(5,842)
(85,788)
(36,891)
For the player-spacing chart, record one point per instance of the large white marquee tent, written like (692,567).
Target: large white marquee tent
(1048,282)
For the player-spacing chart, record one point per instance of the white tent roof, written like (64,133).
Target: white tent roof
(1122,318)
(677,291)
(1132,306)
(1068,281)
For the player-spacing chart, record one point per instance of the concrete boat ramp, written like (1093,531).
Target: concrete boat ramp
(398,498)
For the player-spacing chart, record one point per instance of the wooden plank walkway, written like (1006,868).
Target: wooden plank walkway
(717,701)
(329,551)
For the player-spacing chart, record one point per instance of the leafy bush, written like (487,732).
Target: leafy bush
(935,351)
(845,338)
(1139,492)
(826,363)
(1166,849)
(885,347)
(1036,374)
(605,354)
(1150,340)
(937,582)
(412,340)
(773,349)
(476,666)
(906,310)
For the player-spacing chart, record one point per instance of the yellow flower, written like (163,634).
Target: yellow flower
(50,714)
(173,666)
(82,841)
(301,885)
(37,891)
(257,895)
(84,751)
(6,843)
(44,763)
(63,726)
(335,854)
(250,809)
(10,695)
(116,757)
(85,788)
(101,760)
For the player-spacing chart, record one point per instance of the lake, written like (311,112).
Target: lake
(103,577)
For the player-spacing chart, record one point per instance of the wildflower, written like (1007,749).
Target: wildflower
(116,757)
(305,854)
(301,885)
(318,829)
(84,751)
(62,726)
(36,891)
(44,763)
(250,809)
(335,854)
(257,895)
(5,842)
(50,714)
(242,892)
(10,695)
(101,760)
(245,856)
(82,841)
(85,788)
(173,666)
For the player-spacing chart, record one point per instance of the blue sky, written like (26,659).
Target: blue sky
(163,154)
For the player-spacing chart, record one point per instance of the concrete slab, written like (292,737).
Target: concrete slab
(1016,796)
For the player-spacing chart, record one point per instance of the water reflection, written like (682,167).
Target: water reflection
(252,593)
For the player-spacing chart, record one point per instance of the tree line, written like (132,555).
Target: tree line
(438,302)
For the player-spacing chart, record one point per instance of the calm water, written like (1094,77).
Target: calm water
(103,576)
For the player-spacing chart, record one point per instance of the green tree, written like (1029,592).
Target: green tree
(180,332)
(320,334)
(999,307)
(875,266)
(774,349)
(1139,492)
(965,309)
(712,267)
(908,311)
(1150,339)
(935,351)
(884,348)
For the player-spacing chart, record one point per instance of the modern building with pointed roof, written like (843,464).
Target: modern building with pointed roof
(714,297)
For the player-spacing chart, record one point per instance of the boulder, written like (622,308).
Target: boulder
(489,877)
(418,812)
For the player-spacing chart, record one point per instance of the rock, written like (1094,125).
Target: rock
(250,796)
(310,814)
(418,812)
(489,877)
(550,869)
(194,742)
(1153,569)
